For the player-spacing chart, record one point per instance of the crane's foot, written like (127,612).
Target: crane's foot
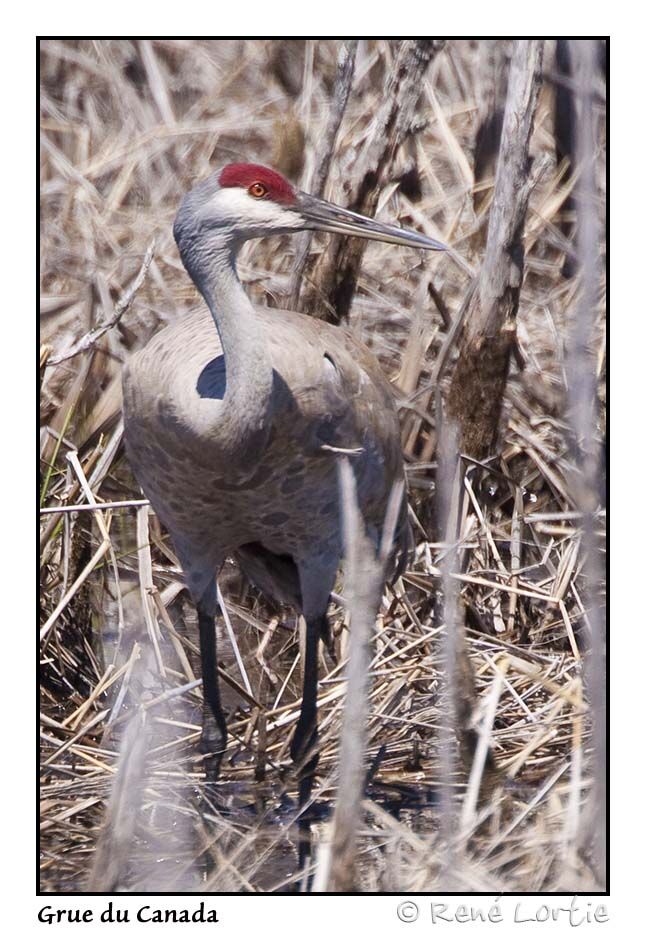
(305,763)
(213,744)
(212,764)
(304,828)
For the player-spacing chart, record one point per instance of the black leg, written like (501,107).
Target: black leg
(304,740)
(214,726)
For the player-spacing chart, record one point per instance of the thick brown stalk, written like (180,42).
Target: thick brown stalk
(478,383)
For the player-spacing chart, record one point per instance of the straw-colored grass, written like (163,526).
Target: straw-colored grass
(127,127)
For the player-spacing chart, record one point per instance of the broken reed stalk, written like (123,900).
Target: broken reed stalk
(364,581)
(342,86)
(97,506)
(333,282)
(90,338)
(478,382)
(583,416)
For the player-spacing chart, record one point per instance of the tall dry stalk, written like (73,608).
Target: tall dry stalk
(449,492)
(364,582)
(583,409)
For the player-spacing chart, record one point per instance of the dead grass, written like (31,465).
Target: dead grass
(126,128)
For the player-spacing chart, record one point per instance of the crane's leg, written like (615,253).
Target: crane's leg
(317,579)
(303,746)
(214,726)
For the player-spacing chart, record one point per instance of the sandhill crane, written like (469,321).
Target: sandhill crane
(233,430)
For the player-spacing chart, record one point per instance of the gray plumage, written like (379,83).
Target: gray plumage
(279,489)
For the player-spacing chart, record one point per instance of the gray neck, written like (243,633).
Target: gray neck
(243,422)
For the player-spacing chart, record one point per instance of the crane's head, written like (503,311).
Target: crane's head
(242,201)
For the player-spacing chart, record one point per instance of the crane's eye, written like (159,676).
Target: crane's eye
(258,190)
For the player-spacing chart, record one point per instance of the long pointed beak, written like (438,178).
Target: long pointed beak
(321,215)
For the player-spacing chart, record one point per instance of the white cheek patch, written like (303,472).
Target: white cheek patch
(236,203)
